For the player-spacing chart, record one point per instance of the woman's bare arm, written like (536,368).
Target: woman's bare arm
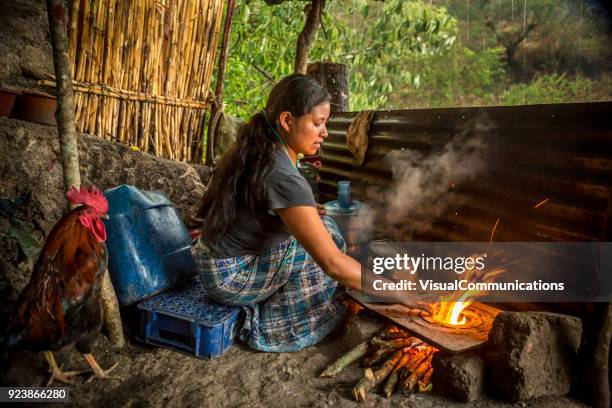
(306,226)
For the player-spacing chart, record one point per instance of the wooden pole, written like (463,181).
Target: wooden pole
(594,381)
(58,19)
(220,79)
(313,18)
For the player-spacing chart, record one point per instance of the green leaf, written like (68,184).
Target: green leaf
(366,10)
(246,13)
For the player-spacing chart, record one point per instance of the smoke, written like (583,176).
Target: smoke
(423,184)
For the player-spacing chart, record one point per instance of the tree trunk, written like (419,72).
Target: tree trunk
(58,19)
(334,78)
(313,18)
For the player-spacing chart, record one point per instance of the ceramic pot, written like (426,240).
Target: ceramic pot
(38,107)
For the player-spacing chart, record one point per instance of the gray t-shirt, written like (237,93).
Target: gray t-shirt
(253,234)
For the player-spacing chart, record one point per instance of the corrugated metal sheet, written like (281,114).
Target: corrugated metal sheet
(562,153)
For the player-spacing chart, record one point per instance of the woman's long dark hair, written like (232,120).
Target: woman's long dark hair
(238,181)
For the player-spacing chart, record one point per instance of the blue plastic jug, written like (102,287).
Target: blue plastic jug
(149,248)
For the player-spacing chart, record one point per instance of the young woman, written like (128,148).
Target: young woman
(264,245)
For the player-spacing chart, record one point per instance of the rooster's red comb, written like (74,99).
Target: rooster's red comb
(92,198)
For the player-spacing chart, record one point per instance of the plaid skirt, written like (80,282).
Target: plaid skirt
(288,301)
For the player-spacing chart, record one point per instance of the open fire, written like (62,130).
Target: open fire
(450,311)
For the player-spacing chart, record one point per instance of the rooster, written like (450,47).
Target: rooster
(62,303)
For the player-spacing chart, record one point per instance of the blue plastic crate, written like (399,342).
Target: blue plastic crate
(185,320)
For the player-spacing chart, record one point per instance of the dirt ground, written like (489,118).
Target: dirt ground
(156,377)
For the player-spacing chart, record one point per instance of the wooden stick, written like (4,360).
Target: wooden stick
(195,54)
(376,356)
(371,379)
(382,349)
(112,318)
(94,67)
(396,334)
(83,54)
(72,36)
(394,376)
(425,382)
(337,366)
(57,15)
(421,355)
(408,384)
(396,343)
(107,104)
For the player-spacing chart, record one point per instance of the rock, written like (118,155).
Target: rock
(361,328)
(30,158)
(458,376)
(25,45)
(532,354)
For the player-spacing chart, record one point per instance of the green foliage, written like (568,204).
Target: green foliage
(549,89)
(435,53)
(457,77)
(262,50)
(376,39)
(379,41)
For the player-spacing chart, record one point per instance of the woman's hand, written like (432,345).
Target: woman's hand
(321,209)
(426,307)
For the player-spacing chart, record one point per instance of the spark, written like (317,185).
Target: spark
(541,203)
(493,231)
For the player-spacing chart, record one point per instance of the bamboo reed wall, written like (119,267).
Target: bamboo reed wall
(142,71)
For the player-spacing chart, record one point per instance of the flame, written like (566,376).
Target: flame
(450,310)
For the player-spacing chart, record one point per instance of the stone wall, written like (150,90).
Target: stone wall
(32,193)
(25,48)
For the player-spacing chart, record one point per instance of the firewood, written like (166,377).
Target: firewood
(356,353)
(394,376)
(381,349)
(408,384)
(371,379)
(344,361)
(395,335)
(376,355)
(396,343)
(425,384)
(421,354)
